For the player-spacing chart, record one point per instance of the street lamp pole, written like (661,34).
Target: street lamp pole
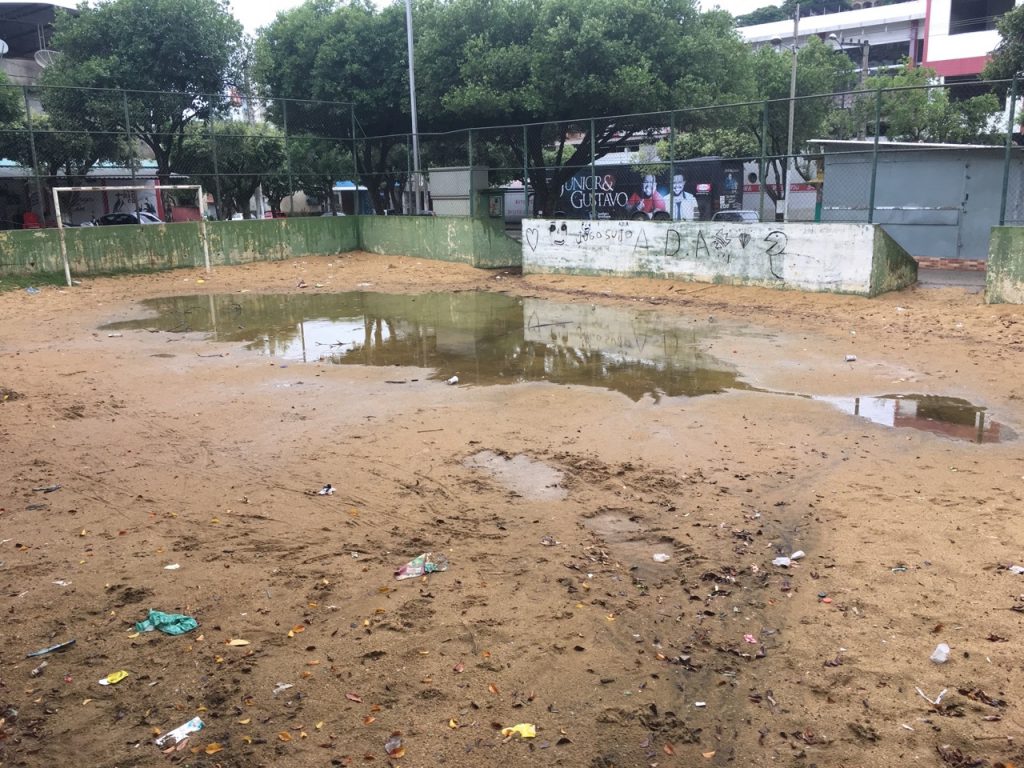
(792,110)
(412,108)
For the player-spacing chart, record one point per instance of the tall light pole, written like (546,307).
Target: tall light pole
(412,108)
(792,110)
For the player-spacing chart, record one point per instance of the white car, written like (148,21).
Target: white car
(129,217)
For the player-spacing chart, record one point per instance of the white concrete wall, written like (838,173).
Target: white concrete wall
(813,257)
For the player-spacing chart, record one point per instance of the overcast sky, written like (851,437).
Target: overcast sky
(258,13)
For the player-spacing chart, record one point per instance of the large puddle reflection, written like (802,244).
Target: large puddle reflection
(483,338)
(490,338)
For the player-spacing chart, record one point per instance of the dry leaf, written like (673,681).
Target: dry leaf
(493,689)
(354,697)
(459,668)
(669,749)
(320,725)
(237,642)
(247,739)
(246,721)
(708,755)
(284,736)
(397,753)
(368,719)
(453,724)
(213,748)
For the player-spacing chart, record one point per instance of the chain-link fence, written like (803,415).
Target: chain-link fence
(901,156)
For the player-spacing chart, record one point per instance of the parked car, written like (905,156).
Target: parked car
(743,217)
(129,217)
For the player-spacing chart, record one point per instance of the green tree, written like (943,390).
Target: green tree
(165,62)
(1008,57)
(922,110)
(245,153)
(11,117)
(500,62)
(821,72)
(323,63)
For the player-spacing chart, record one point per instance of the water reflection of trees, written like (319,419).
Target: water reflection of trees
(479,336)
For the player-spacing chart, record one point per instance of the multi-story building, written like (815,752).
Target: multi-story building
(25,30)
(953,37)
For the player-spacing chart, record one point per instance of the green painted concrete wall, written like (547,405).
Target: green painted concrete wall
(104,250)
(1004,273)
(892,268)
(478,242)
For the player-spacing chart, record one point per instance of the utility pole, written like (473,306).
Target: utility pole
(412,107)
(792,109)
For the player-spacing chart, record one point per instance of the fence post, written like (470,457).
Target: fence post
(35,159)
(216,170)
(472,192)
(526,176)
(128,131)
(763,169)
(593,172)
(407,204)
(357,204)
(1009,146)
(874,157)
(288,159)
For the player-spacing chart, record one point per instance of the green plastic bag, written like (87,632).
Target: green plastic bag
(168,623)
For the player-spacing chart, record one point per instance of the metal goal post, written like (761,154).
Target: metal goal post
(134,188)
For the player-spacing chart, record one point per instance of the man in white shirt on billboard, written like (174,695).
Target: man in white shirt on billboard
(682,205)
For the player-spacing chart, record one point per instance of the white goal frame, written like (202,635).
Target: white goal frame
(133,188)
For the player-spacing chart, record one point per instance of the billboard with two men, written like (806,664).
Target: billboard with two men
(686,190)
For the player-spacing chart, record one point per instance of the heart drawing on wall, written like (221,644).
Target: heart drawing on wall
(532,236)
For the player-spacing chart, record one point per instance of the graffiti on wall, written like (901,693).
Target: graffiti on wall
(713,246)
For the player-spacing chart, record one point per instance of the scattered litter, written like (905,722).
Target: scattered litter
(168,623)
(1018,569)
(782,562)
(327,490)
(750,639)
(172,567)
(798,555)
(941,654)
(700,704)
(62,582)
(393,746)
(549,541)
(181,732)
(661,557)
(114,678)
(31,291)
(452,380)
(237,642)
(899,569)
(51,649)
(280,687)
(114,335)
(428,562)
(47,489)
(39,670)
(934,702)
(906,727)
(524,730)
(851,358)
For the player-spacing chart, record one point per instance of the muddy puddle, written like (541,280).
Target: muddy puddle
(487,339)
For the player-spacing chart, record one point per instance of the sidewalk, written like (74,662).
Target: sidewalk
(971,280)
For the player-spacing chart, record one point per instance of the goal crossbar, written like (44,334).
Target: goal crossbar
(133,188)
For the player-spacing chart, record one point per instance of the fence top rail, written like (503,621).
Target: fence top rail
(125,189)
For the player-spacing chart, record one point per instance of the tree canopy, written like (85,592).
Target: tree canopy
(170,58)
(487,62)
(1008,57)
(333,62)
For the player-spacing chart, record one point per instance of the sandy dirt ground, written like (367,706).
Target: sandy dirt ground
(173,449)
